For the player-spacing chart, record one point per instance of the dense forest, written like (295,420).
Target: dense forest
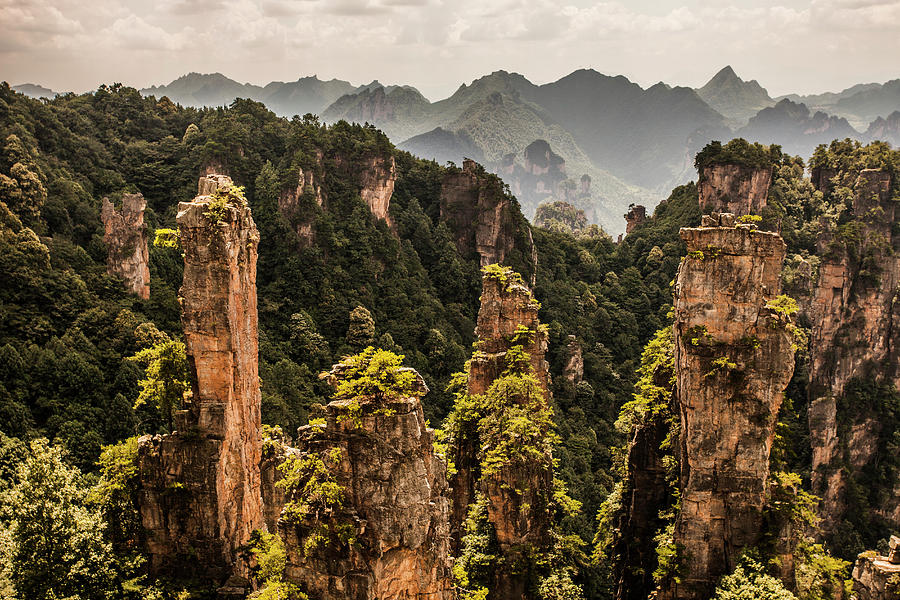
(86,367)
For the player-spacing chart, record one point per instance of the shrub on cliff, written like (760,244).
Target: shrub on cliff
(737,152)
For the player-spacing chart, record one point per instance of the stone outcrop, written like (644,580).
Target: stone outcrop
(736,189)
(878,577)
(297,204)
(573,370)
(199,493)
(126,243)
(484,220)
(394,506)
(375,175)
(855,312)
(636,215)
(733,359)
(517,494)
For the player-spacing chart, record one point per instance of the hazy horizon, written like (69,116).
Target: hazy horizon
(790,46)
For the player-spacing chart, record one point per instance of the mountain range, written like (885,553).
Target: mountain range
(633,143)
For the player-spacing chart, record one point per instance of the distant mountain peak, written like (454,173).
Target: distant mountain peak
(734,98)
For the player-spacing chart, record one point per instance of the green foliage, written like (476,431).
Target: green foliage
(374,375)
(721,364)
(474,567)
(167,238)
(361,332)
(219,201)
(271,559)
(55,542)
(737,152)
(784,306)
(749,581)
(165,377)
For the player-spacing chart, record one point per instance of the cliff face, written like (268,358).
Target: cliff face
(734,189)
(855,335)
(481,216)
(516,492)
(733,359)
(636,215)
(574,368)
(388,536)
(296,203)
(200,487)
(878,577)
(126,243)
(377,186)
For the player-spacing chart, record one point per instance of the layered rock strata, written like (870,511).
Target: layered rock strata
(855,311)
(878,577)
(636,215)
(388,535)
(736,189)
(517,494)
(484,219)
(126,243)
(733,359)
(199,492)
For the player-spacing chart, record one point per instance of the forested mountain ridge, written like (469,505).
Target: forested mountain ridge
(82,357)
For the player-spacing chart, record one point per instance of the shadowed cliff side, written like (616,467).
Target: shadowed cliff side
(126,243)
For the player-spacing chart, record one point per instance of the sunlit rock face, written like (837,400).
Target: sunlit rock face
(733,359)
(199,492)
(126,243)
(395,506)
(736,189)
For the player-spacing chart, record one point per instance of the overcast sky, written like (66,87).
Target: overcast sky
(787,45)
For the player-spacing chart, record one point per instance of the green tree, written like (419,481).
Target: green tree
(165,376)
(749,581)
(56,544)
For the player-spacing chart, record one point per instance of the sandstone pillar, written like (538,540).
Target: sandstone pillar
(733,359)
(126,243)
(200,486)
(736,189)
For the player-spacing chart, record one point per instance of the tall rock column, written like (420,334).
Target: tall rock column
(510,490)
(126,243)
(855,313)
(733,359)
(200,493)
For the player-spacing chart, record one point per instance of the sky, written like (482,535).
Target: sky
(435,45)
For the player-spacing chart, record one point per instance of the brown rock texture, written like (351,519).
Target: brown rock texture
(395,503)
(295,203)
(126,243)
(200,493)
(377,186)
(733,359)
(573,370)
(855,314)
(636,215)
(878,577)
(517,495)
(736,189)
(483,219)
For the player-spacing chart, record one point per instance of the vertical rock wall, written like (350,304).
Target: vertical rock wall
(733,359)
(735,189)
(395,506)
(126,243)
(855,311)
(200,493)
(636,215)
(481,216)
(517,494)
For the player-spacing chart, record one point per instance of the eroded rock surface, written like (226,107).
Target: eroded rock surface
(636,215)
(735,189)
(126,243)
(574,367)
(855,311)
(733,359)
(199,492)
(878,577)
(395,506)
(481,216)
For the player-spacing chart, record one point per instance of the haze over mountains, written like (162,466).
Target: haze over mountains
(634,144)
